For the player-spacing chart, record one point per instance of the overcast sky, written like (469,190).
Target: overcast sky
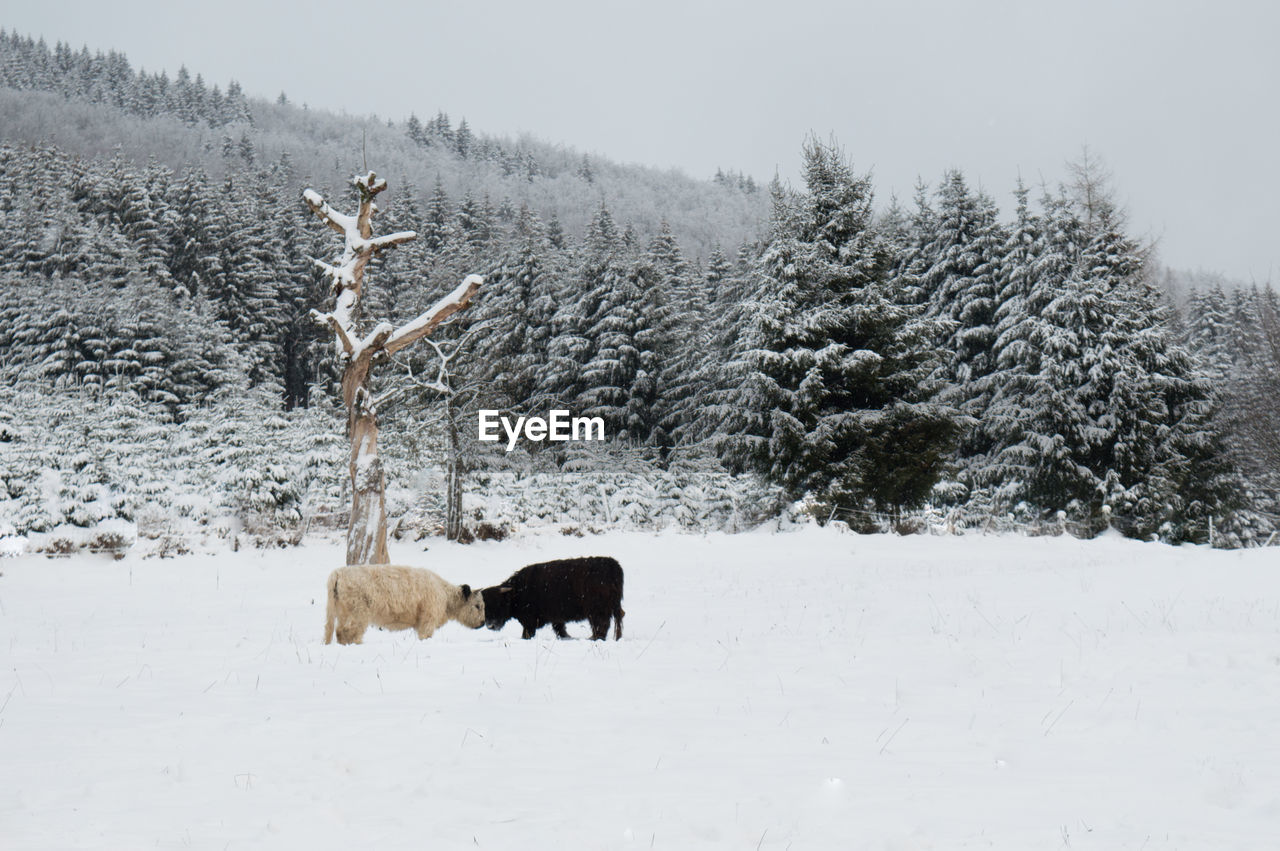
(1181,100)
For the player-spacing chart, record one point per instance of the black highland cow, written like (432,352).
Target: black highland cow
(555,592)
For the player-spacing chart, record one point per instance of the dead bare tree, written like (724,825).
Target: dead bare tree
(367,528)
(456,392)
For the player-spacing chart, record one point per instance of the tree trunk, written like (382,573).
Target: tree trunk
(453,475)
(367,528)
(367,531)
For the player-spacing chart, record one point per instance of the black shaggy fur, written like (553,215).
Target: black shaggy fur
(556,592)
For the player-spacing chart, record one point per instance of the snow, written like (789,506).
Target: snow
(410,329)
(392,239)
(314,199)
(814,689)
(12,545)
(370,182)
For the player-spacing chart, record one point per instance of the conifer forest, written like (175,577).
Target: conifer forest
(756,350)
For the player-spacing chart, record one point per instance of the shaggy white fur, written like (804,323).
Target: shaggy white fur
(394,597)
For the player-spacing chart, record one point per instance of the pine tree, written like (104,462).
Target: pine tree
(442,130)
(437,228)
(580,303)
(1209,332)
(676,323)
(520,310)
(242,284)
(145,220)
(913,244)
(960,284)
(555,233)
(413,128)
(611,371)
(246,148)
(191,241)
(474,222)
(462,140)
(834,376)
(729,310)
(1099,413)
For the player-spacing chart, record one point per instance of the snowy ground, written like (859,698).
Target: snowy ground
(803,690)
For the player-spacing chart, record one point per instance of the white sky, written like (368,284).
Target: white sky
(1179,98)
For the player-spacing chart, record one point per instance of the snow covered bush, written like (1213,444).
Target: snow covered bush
(83,468)
(600,488)
(11,543)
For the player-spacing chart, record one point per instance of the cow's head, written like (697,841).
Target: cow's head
(471,613)
(497,606)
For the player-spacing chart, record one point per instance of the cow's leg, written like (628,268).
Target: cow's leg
(617,623)
(599,627)
(560,630)
(351,633)
(529,629)
(425,630)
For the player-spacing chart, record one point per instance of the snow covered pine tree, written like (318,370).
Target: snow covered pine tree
(830,392)
(367,529)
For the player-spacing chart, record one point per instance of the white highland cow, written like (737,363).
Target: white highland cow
(395,598)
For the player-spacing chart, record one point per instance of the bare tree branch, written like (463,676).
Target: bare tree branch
(376,340)
(391,239)
(332,322)
(457,300)
(369,185)
(338,221)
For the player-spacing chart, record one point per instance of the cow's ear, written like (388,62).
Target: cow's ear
(466,592)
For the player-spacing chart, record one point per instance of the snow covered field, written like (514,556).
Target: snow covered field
(805,690)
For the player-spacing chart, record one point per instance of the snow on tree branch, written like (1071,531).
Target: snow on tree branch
(368,185)
(392,239)
(457,300)
(359,246)
(338,221)
(341,333)
(378,338)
